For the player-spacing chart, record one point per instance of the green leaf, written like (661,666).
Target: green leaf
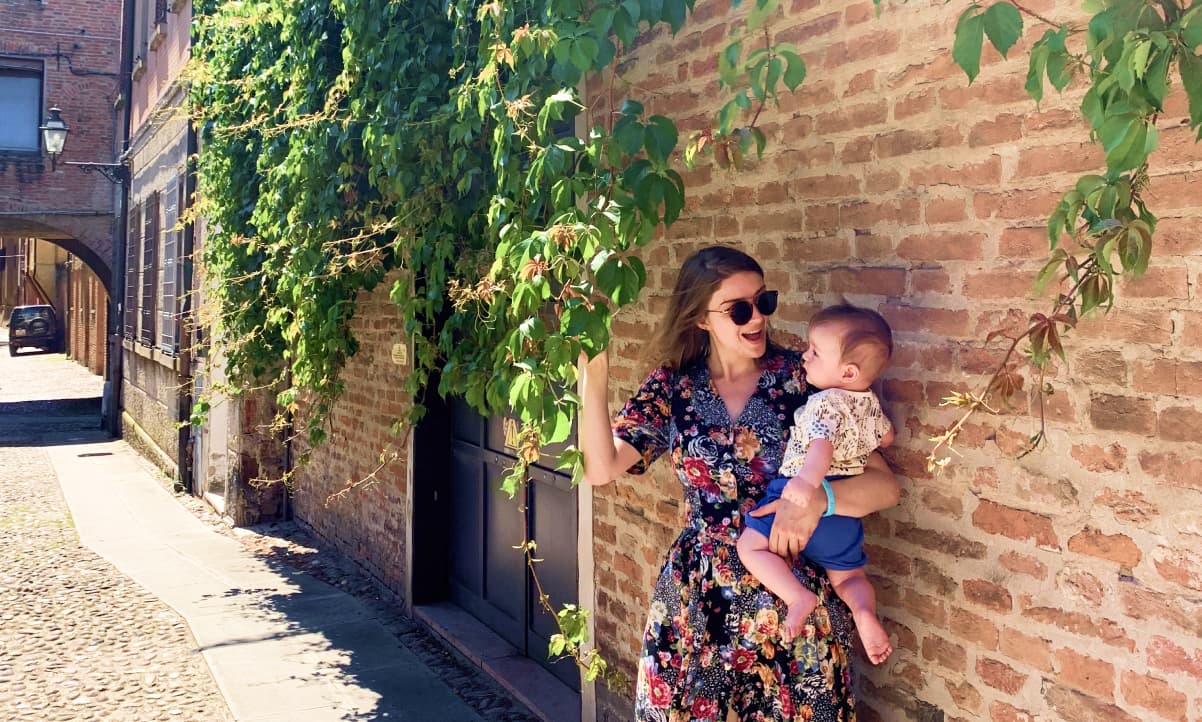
(795,69)
(629,135)
(970,36)
(1003,25)
(1037,68)
(1190,68)
(1058,59)
(1191,35)
(775,67)
(624,26)
(660,139)
(674,13)
(728,64)
(631,108)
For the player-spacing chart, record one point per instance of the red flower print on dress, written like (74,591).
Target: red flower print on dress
(742,659)
(696,471)
(704,708)
(661,693)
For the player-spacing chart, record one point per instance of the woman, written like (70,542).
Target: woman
(722,402)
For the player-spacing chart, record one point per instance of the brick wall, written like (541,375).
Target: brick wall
(369,523)
(87,344)
(1061,586)
(88,34)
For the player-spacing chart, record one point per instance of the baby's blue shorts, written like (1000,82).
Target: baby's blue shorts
(837,543)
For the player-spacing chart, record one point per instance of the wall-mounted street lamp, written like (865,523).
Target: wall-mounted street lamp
(54,135)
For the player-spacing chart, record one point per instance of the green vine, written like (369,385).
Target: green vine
(1102,228)
(342,141)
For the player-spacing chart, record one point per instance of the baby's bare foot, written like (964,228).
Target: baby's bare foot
(794,620)
(874,637)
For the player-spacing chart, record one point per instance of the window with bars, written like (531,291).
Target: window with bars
(133,244)
(150,247)
(169,311)
(160,11)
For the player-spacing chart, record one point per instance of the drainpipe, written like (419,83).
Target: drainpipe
(111,404)
(186,323)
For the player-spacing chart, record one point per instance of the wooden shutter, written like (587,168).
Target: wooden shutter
(168,311)
(150,286)
(133,244)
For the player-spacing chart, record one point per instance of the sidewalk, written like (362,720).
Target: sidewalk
(281,645)
(88,587)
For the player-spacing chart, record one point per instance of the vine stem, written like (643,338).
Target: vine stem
(946,439)
(1034,14)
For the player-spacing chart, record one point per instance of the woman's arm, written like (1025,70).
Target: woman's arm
(876,489)
(605,456)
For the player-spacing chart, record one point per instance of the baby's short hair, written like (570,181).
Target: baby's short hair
(866,339)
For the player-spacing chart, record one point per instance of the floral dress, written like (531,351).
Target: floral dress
(712,639)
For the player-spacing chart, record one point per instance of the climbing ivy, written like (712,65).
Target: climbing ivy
(343,140)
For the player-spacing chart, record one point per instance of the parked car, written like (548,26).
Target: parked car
(34,326)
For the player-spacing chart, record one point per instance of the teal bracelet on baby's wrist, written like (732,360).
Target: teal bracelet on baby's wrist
(830,498)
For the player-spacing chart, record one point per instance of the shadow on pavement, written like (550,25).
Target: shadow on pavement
(51,422)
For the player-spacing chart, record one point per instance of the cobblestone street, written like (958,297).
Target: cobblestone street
(81,640)
(78,639)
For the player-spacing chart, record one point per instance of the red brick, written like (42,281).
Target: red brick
(913,104)
(1089,674)
(1141,603)
(937,321)
(1127,505)
(876,281)
(988,594)
(1191,334)
(1084,157)
(1002,712)
(1023,243)
(1000,675)
(1114,547)
(1028,649)
(1154,694)
(964,695)
(1169,376)
(949,543)
(973,628)
(883,182)
(1106,630)
(1024,564)
(1159,282)
(926,607)
(1185,472)
(906,142)
(1084,585)
(1177,237)
(888,560)
(1074,706)
(1180,423)
(852,117)
(1175,190)
(942,246)
(940,503)
(986,174)
(1180,566)
(997,284)
(1002,129)
(1016,204)
(1122,413)
(1105,366)
(945,210)
(1001,91)
(1139,327)
(996,518)
(946,654)
(1167,655)
(930,280)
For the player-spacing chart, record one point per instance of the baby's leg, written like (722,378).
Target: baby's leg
(853,587)
(776,574)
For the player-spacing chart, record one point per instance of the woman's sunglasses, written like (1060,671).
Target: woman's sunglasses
(740,311)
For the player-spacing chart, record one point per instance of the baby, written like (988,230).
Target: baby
(832,436)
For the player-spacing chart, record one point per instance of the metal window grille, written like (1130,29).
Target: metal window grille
(160,11)
(132,246)
(150,247)
(169,312)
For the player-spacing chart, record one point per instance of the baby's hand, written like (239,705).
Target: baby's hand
(887,439)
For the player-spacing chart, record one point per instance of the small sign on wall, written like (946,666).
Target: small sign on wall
(400,354)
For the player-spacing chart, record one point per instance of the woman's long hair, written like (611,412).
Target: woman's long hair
(679,340)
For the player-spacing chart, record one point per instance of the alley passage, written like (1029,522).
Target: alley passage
(78,639)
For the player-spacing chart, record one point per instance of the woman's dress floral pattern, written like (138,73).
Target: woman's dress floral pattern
(711,639)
